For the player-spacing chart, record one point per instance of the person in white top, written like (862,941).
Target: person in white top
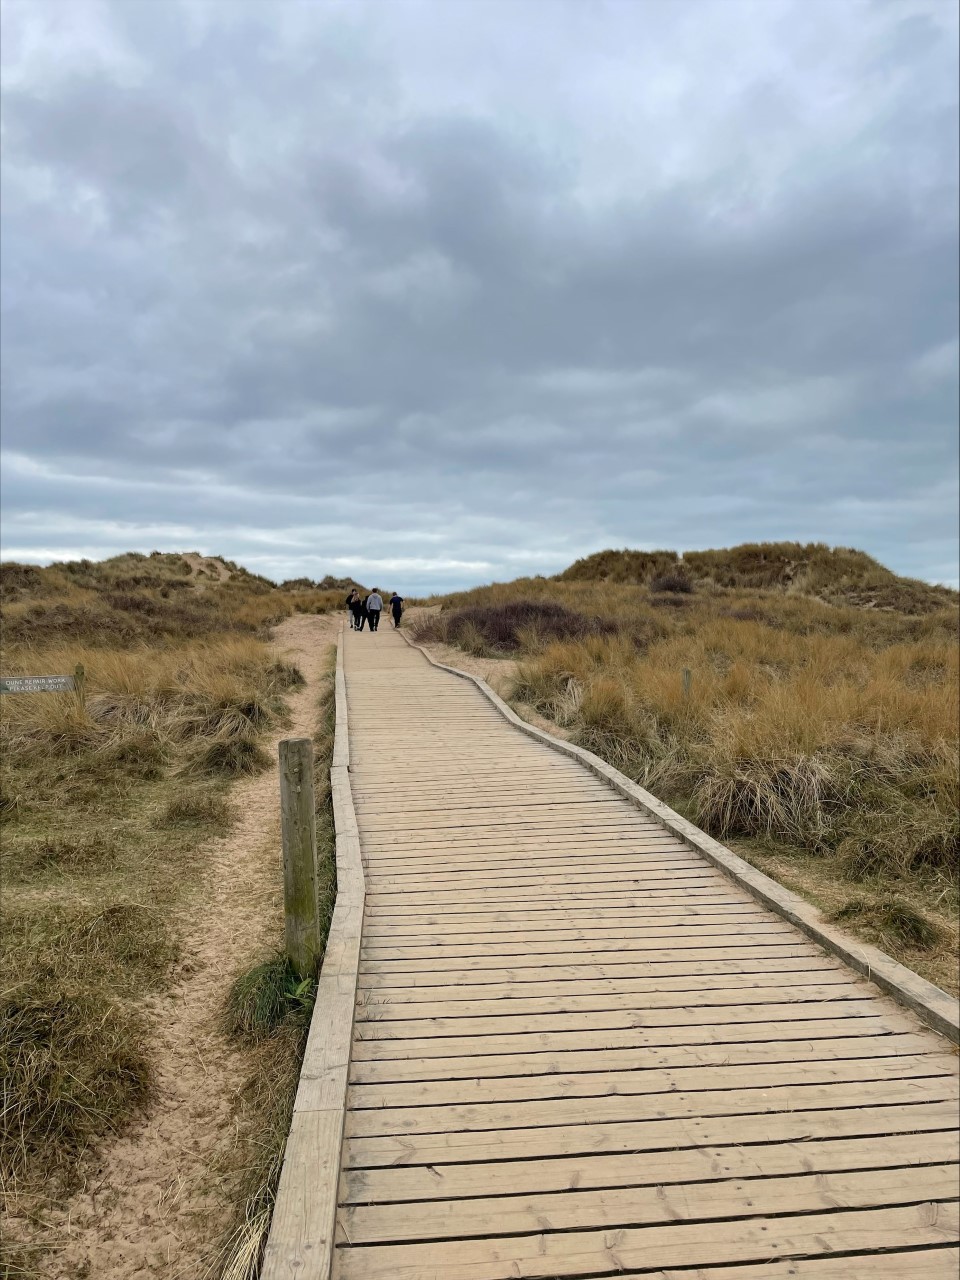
(374,604)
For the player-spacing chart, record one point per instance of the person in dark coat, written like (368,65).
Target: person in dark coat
(355,605)
(396,608)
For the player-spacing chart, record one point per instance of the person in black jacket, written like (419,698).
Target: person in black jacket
(396,608)
(355,605)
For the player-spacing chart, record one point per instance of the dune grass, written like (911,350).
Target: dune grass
(157,600)
(105,801)
(820,740)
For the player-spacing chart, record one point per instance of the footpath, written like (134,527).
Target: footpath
(580,1049)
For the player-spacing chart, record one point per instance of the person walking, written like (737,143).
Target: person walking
(355,605)
(396,608)
(374,603)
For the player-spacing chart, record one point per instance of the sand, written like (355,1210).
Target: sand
(153,1204)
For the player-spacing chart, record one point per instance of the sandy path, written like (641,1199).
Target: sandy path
(153,1206)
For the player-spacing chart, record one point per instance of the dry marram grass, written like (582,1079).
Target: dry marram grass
(106,801)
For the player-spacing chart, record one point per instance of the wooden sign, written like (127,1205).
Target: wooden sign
(37,684)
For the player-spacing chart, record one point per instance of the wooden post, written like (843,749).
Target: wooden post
(79,684)
(687,681)
(299,832)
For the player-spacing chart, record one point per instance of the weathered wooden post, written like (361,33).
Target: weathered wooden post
(80,685)
(299,833)
(687,681)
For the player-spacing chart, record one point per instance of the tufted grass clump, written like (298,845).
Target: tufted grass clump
(264,997)
(198,807)
(73,1068)
(892,922)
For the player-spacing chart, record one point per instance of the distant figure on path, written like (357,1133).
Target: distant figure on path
(396,607)
(355,605)
(374,603)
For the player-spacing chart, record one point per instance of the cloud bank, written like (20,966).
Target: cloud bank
(446,292)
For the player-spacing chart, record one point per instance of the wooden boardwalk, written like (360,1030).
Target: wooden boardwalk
(581,1050)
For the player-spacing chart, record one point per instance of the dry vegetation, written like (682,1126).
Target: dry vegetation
(820,739)
(268,1008)
(105,801)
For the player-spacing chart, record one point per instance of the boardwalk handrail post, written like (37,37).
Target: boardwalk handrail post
(299,834)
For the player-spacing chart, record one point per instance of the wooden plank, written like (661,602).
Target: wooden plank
(581,1155)
(650,933)
(921,1264)
(672,1008)
(582,1253)
(483,812)
(599,818)
(433,795)
(858,1144)
(624,836)
(647,1206)
(529,860)
(480,833)
(562,888)
(419,965)
(444,881)
(505,1126)
(396,977)
(514,857)
(653,926)
(648,1080)
(630,902)
(457,874)
(638,885)
(452,793)
(380,1008)
(495,855)
(302,1230)
(488,1068)
(686,1026)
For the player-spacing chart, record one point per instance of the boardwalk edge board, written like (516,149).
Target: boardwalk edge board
(938,1009)
(302,1232)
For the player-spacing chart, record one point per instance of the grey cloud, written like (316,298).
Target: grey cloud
(336,253)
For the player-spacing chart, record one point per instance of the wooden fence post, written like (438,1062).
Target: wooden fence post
(687,681)
(80,685)
(299,831)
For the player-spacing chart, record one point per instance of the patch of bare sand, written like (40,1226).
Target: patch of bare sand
(206,565)
(154,1205)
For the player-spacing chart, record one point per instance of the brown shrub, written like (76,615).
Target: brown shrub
(504,628)
(676,582)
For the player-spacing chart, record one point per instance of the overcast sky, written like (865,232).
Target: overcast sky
(442,291)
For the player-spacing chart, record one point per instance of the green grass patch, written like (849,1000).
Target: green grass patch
(267,996)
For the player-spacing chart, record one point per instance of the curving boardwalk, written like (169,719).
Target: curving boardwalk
(581,1050)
